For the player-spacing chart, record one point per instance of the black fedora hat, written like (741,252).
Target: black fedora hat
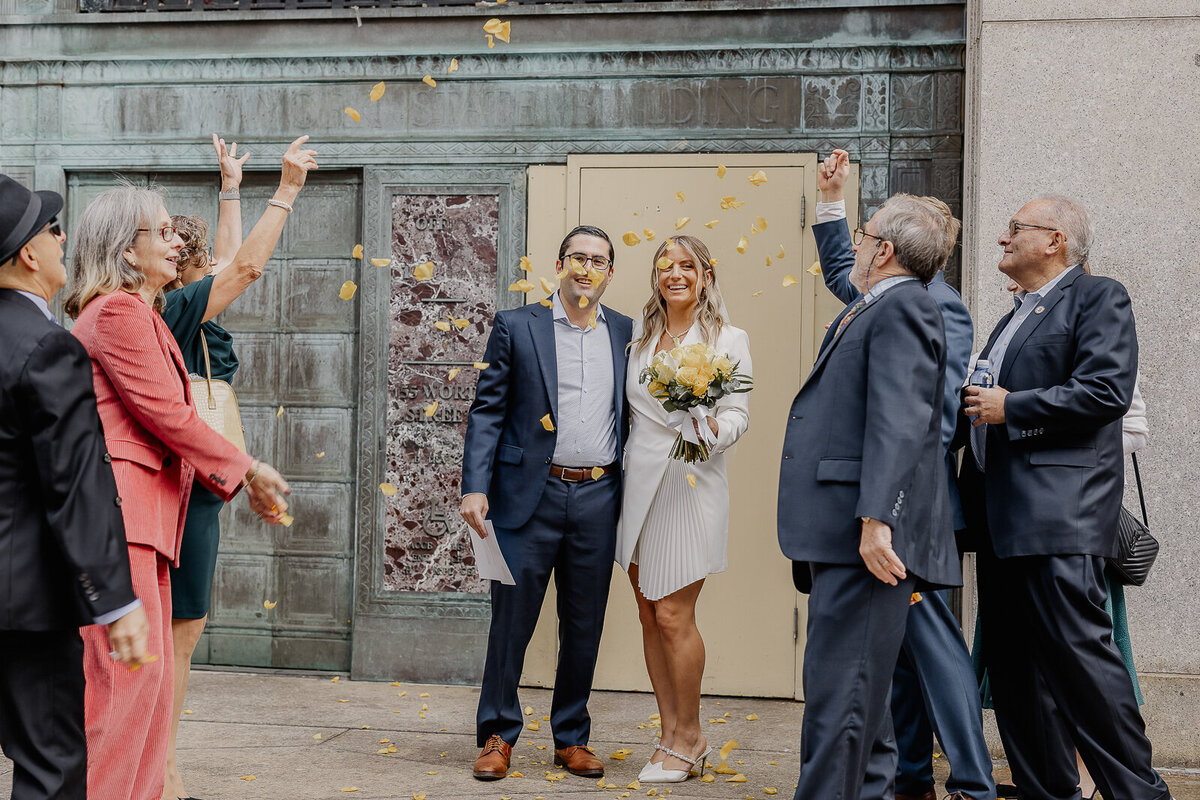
(22,214)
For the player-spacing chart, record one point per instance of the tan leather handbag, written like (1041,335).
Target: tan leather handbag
(217,405)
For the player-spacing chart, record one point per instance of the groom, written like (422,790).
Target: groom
(542,462)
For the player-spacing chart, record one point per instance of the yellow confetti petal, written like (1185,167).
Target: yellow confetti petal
(269,604)
(380,262)
(712,262)
(377,91)
(548,424)
(428,80)
(728,748)
(442,325)
(497,28)
(630,238)
(770,790)
(597,473)
(387,489)
(739,778)
(521,286)
(352,114)
(402,694)
(491,41)
(592,319)
(287,520)
(668,244)
(721,170)
(681,222)
(761,223)
(691,479)
(317,737)
(649,234)
(511,774)
(279,413)
(481,364)
(752,717)
(348,289)
(768,261)
(423,272)
(357,252)
(754,228)
(577,267)
(248,777)
(756,294)
(583,301)
(526,264)
(916,598)
(595,276)
(547,302)
(335,679)
(707,777)
(742,244)
(453,373)
(712,223)
(758,178)
(528,710)
(620,755)
(343,701)
(431,409)
(815,269)
(790,280)
(725,769)
(782,252)
(321,454)
(424,694)
(534,724)
(461,323)
(731,202)
(349,788)
(635,786)
(453,65)
(679,196)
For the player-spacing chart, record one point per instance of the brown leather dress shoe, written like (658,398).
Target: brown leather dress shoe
(930,795)
(492,764)
(579,760)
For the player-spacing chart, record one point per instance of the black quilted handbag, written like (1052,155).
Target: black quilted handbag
(1137,548)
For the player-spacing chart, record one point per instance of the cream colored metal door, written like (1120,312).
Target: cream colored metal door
(751,617)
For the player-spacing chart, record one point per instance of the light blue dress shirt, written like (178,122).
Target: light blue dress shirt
(587,419)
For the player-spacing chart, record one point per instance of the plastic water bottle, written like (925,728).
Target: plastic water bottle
(982,376)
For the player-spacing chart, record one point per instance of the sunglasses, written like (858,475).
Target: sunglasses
(54,227)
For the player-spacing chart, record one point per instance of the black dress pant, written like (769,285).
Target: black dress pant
(1058,680)
(855,629)
(41,713)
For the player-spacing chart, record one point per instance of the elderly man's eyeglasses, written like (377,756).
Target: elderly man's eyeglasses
(54,227)
(167,232)
(1014,226)
(599,262)
(859,233)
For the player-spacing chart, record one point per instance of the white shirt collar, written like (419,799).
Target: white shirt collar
(560,311)
(40,302)
(886,284)
(1048,285)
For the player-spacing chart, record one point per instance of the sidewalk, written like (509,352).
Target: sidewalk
(310,737)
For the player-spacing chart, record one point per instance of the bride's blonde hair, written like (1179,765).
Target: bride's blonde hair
(710,306)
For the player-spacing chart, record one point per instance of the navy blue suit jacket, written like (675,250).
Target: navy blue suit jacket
(507,453)
(1055,470)
(63,554)
(864,440)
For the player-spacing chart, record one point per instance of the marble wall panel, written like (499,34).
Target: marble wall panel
(426,543)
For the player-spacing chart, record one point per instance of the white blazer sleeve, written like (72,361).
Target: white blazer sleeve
(733,410)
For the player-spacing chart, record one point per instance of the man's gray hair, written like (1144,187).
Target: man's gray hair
(106,229)
(1073,220)
(923,231)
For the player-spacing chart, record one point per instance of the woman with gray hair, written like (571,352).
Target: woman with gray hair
(126,251)
(674,526)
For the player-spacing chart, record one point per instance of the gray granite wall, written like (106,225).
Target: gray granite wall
(1100,103)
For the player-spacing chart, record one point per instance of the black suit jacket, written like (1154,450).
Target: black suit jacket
(63,556)
(864,439)
(1054,471)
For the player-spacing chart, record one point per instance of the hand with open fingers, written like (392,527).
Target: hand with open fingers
(297,164)
(876,551)
(832,174)
(266,494)
(474,510)
(984,405)
(231,165)
(127,637)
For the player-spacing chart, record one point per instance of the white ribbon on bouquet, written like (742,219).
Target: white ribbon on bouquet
(683,421)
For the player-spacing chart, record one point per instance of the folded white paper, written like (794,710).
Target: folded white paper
(488,558)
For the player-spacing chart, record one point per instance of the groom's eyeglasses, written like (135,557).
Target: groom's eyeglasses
(599,262)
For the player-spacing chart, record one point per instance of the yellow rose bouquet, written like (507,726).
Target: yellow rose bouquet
(688,381)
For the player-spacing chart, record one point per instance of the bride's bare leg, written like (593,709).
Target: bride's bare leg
(656,665)
(683,649)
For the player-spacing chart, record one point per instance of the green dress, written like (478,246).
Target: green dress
(192,580)
(1114,605)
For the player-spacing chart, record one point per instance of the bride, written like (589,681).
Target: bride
(672,534)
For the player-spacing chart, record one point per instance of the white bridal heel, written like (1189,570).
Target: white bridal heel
(673,775)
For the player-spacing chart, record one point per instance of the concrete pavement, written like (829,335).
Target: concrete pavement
(313,737)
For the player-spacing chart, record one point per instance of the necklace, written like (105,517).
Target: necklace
(677,339)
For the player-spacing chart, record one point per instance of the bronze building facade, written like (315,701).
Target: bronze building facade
(346,396)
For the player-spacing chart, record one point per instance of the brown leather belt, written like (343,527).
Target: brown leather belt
(580,475)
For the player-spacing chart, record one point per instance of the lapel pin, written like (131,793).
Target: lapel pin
(1039,309)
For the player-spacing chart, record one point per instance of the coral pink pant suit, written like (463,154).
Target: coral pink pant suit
(157,444)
